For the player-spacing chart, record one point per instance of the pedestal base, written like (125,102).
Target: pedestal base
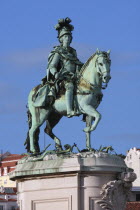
(70,182)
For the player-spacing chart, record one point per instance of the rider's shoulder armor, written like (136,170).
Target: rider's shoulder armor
(69,54)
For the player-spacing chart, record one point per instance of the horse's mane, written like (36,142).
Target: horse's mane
(85,65)
(87,62)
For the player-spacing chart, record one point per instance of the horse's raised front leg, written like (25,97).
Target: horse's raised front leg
(52,120)
(91,111)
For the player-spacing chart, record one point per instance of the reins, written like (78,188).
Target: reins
(92,86)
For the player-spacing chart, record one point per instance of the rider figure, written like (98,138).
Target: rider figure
(63,64)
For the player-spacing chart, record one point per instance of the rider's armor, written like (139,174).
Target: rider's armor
(65,62)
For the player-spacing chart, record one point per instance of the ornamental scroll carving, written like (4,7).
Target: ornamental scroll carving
(116,193)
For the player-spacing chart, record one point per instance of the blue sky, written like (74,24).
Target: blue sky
(27,35)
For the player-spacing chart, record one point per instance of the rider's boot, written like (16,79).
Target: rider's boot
(69,102)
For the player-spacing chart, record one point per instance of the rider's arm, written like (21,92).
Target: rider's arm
(54,64)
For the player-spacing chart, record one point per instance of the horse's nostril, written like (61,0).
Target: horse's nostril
(107,77)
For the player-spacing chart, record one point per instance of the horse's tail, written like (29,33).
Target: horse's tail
(27,141)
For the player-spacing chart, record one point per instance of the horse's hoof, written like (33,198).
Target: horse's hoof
(87,129)
(92,129)
(70,114)
(58,147)
(90,149)
(33,153)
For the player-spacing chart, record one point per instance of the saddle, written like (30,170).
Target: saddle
(41,95)
(45,95)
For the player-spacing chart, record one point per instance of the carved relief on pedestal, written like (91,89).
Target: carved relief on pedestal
(115,193)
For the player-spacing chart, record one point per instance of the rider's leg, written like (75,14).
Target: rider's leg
(69,98)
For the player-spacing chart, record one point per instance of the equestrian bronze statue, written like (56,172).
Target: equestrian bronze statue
(69,89)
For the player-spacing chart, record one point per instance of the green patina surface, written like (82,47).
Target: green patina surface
(70,88)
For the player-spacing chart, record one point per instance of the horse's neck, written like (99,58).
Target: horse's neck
(90,76)
(90,72)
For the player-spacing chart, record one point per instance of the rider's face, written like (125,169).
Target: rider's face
(66,40)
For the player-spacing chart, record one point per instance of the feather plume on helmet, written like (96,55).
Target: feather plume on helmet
(64,27)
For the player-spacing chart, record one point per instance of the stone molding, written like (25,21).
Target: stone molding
(71,155)
(53,164)
(65,202)
(116,193)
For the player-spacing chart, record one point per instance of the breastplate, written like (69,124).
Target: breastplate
(69,65)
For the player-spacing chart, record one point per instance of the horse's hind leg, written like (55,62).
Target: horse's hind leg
(52,120)
(39,115)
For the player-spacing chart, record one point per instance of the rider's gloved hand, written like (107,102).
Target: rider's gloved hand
(72,75)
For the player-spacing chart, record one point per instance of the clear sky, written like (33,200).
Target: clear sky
(27,35)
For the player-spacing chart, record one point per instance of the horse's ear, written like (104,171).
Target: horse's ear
(97,50)
(108,52)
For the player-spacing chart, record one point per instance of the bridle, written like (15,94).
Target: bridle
(92,86)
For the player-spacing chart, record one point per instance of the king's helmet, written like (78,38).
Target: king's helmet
(64,27)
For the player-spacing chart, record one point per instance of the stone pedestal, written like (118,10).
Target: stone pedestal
(83,181)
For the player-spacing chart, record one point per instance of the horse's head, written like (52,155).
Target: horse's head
(102,64)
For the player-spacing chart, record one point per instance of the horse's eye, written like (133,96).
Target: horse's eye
(101,64)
